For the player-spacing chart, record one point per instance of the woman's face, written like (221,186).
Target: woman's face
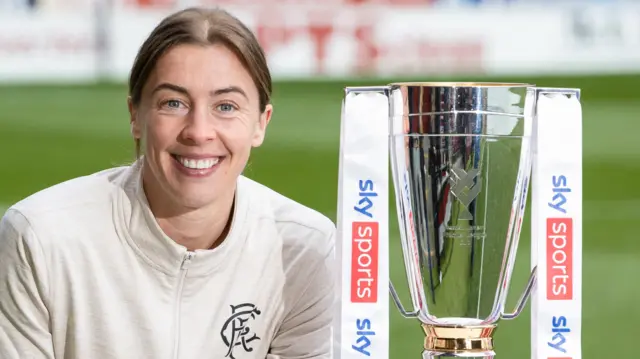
(198,118)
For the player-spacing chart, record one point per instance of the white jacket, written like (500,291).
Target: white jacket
(86,273)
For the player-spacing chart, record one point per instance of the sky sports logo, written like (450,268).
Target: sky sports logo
(364,248)
(559,240)
(559,256)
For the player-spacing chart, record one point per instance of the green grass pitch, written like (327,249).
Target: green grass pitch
(52,133)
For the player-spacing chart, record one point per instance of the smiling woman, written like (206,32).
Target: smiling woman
(199,114)
(177,255)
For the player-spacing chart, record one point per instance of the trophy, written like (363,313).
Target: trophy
(461,157)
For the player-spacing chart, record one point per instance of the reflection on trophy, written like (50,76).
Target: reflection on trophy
(461,156)
(461,163)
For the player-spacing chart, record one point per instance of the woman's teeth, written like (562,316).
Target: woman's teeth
(198,164)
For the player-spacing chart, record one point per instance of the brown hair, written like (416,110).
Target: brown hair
(199,26)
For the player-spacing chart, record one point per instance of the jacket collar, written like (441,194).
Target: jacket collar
(140,228)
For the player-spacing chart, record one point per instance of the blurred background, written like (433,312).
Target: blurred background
(64,65)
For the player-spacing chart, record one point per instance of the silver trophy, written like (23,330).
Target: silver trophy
(461,160)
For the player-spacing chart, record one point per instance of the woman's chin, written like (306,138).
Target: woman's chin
(195,199)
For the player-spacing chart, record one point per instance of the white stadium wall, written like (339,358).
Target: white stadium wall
(337,39)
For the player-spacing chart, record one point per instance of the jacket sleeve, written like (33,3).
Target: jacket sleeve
(306,332)
(24,318)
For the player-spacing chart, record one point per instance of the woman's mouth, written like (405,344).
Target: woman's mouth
(196,167)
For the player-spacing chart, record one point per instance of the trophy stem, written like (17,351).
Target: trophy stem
(458,341)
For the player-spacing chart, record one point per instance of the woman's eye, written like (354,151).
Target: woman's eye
(226,107)
(173,103)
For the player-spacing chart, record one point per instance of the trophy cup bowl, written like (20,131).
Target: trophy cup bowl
(461,161)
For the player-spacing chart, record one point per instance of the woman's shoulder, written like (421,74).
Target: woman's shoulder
(295,221)
(305,241)
(71,199)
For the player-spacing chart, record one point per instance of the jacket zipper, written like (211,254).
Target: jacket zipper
(184,267)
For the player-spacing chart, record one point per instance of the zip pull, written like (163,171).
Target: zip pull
(187,260)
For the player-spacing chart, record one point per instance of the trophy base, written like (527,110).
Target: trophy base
(458,340)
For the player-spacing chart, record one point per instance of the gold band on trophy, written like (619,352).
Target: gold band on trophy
(458,338)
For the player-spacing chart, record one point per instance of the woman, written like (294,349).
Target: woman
(177,255)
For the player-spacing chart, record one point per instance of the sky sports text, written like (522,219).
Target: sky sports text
(364,247)
(364,332)
(560,329)
(559,244)
(559,241)
(366,195)
(364,262)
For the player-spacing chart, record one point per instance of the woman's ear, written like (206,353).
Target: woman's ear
(136,130)
(261,126)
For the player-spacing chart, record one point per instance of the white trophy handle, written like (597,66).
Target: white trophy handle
(405,313)
(524,297)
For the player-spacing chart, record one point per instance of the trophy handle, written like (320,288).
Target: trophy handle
(405,313)
(524,297)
